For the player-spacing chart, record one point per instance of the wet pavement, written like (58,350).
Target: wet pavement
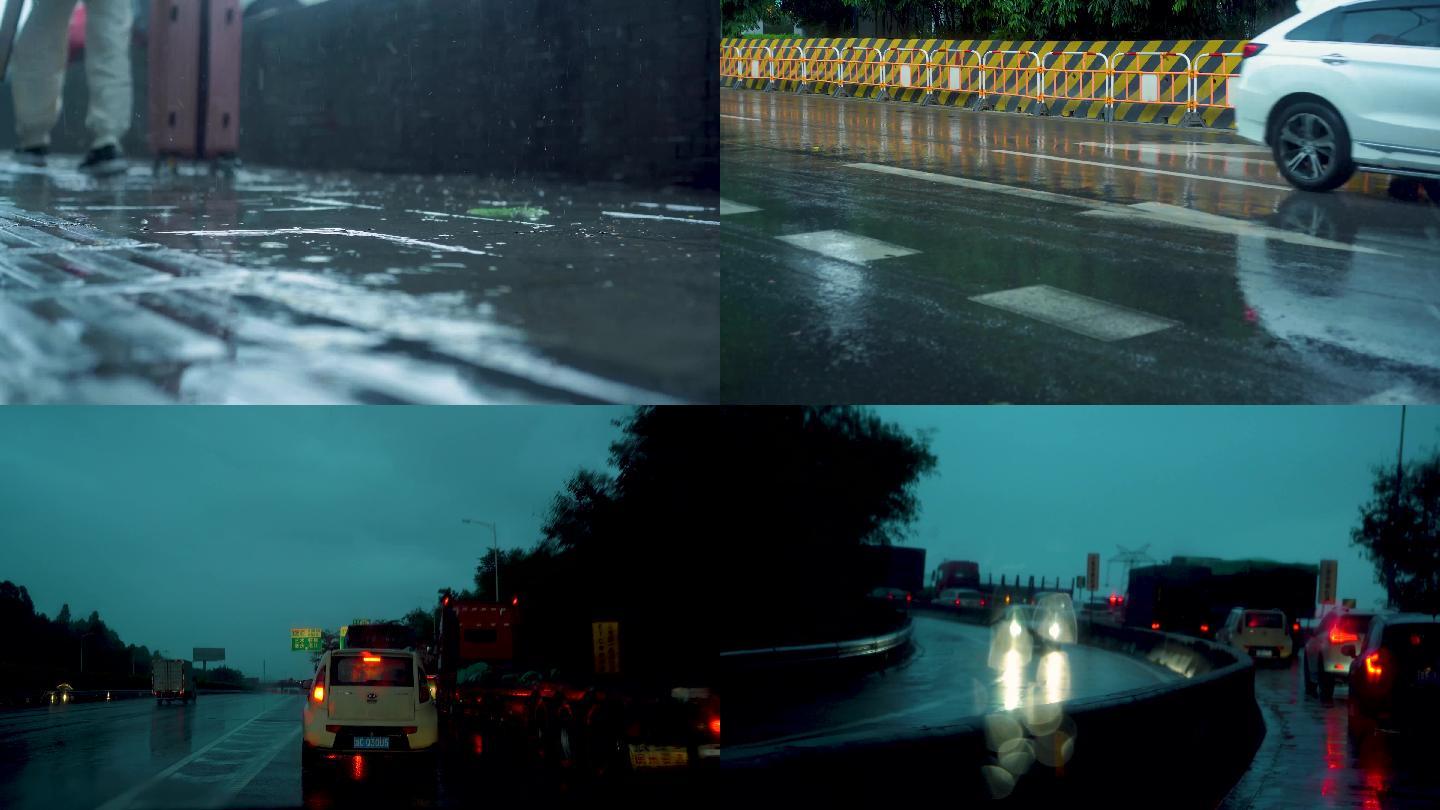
(884,252)
(946,680)
(1308,760)
(244,751)
(277,286)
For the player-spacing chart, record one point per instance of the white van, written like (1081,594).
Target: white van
(1264,634)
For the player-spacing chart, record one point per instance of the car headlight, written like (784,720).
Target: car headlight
(1014,629)
(1055,630)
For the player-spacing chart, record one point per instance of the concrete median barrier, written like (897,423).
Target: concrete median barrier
(1173,81)
(1175,744)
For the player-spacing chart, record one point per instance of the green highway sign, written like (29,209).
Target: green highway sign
(306,639)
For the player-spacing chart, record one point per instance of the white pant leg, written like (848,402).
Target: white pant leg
(37,70)
(107,70)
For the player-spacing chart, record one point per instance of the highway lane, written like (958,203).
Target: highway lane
(243,751)
(883,252)
(1308,760)
(948,679)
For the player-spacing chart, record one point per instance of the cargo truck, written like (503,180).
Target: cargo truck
(1193,595)
(511,687)
(172,679)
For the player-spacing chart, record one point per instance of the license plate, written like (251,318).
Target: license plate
(658,756)
(372,742)
(1428,678)
(1261,653)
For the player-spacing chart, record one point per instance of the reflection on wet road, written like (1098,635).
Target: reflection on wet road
(244,751)
(950,678)
(880,252)
(1308,760)
(282,286)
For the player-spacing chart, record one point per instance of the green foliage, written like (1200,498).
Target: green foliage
(1399,530)
(1021,19)
(52,650)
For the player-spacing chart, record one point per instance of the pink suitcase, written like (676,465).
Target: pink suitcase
(194,78)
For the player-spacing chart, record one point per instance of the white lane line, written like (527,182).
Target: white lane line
(124,799)
(738,117)
(728,207)
(245,775)
(334,203)
(846,246)
(115,207)
(626,215)
(1143,169)
(980,185)
(1081,314)
(401,240)
(1189,217)
(1182,148)
(537,225)
(1171,214)
(300,208)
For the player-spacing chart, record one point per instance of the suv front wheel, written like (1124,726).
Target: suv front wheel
(1312,147)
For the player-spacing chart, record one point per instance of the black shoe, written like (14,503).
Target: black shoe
(105,160)
(33,156)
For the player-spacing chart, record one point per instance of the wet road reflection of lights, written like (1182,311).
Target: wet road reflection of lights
(1012,680)
(1054,677)
(357,768)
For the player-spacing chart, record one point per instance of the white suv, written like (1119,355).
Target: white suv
(1345,85)
(369,702)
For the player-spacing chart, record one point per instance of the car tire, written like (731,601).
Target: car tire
(1297,142)
(1310,688)
(1327,686)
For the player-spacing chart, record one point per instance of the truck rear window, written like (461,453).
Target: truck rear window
(382,670)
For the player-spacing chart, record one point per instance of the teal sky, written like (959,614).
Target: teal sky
(1031,490)
(225,527)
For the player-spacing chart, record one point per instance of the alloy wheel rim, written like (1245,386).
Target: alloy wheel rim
(1307,146)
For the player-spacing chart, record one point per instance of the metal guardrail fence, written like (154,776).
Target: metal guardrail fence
(1033,79)
(831,650)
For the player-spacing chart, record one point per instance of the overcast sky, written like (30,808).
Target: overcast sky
(1031,490)
(226,527)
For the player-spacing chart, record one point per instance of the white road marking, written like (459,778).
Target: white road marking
(978,185)
(738,117)
(846,246)
(1082,314)
(241,778)
(124,799)
(728,207)
(1182,148)
(1170,214)
(402,240)
(334,203)
(626,215)
(115,207)
(1189,217)
(1143,169)
(536,225)
(300,208)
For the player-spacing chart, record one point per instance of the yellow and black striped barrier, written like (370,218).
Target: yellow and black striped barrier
(1146,81)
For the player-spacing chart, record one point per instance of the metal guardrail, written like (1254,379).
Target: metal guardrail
(831,650)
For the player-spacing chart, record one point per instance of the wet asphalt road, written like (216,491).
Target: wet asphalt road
(243,751)
(948,679)
(1308,761)
(1056,261)
(283,286)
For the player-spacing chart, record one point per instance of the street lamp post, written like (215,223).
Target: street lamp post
(495,541)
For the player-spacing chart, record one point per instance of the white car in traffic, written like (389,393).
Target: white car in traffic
(1345,85)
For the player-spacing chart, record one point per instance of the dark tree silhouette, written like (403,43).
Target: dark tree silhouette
(1399,530)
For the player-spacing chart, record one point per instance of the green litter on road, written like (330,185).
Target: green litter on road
(510,212)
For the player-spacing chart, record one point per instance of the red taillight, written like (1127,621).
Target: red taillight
(514,600)
(1295,627)
(957,601)
(715,726)
(479,744)
(907,597)
(411,729)
(890,596)
(1154,625)
(1372,665)
(1250,49)
(1204,628)
(982,603)
(370,659)
(1338,636)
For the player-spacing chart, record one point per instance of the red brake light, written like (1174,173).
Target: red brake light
(1250,49)
(370,659)
(907,597)
(715,726)
(957,601)
(1295,626)
(514,600)
(411,729)
(1338,636)
(1154,625)
(982,603)
(1204,628)
(1372,665)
